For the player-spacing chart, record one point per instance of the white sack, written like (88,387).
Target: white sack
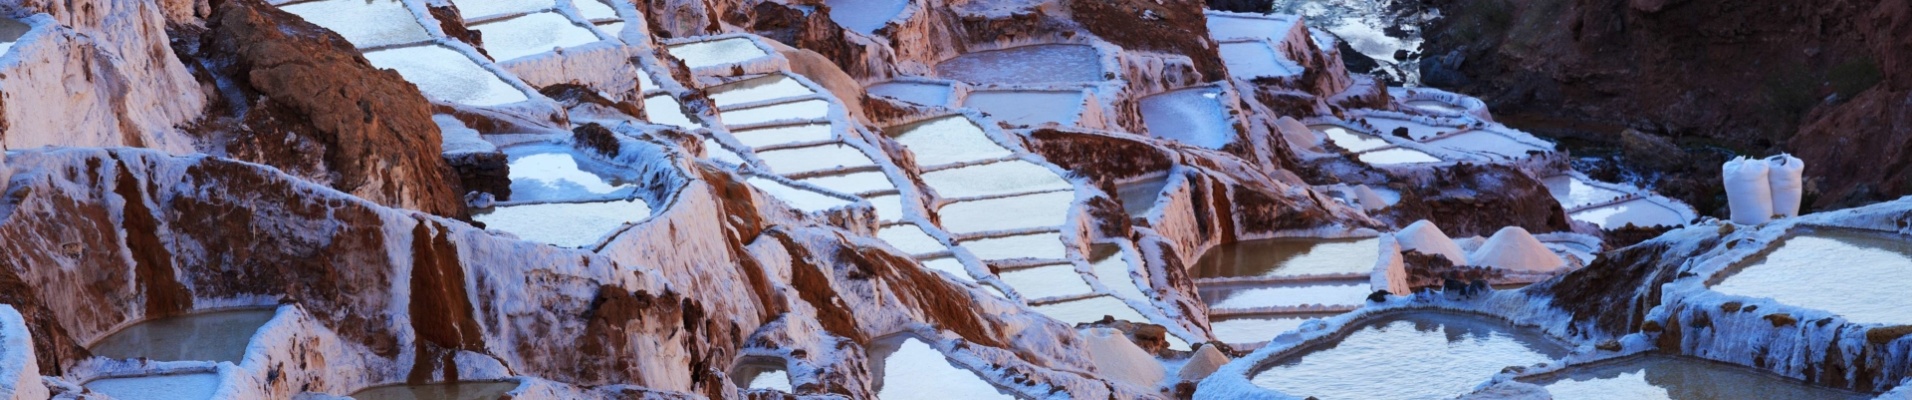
(1748,193)
(1786,176)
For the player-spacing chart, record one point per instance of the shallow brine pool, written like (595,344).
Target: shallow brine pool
(1193,116)
(1047,63)
(930,94)
(855,183)
(771,87)
(865,16)
(1045,246)
(158,387)
(717,52)
(1001,178)
(805,133)
(363,23)
(1575,193)
(664,109)
(1047,281)
(554,172)
(804,200)
(1248,60)
(1857,275)
(1039,210)
(1090,310)
(1241,297)
(10,31)
(1637,212)
(1138,197)
(1415,130)
(1351,140)
(1487,142)
(911,369)
(446,74)
(814,158)
(206,336)
(1415,355)
(1680,378)
(1029,107)
(476,390)
(1397,156)
(1289,257)
(532,34)
(1435,106)
(474,9)
(948,140)
(806,110)
(761,374)
(1251,329)
(564,224)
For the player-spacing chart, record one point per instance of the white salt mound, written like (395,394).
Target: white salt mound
(1299,135)
(1370,200)
(1119,359)
(1785,175)
(1512,248)
(1202,364)
(1424,237)
(1748,193)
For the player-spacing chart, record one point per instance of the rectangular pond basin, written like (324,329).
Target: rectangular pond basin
(594,10)
(469,390)
(1249,296)
(854,182)
(1254,59)
(1045,246)
(929,94)
(865,16)
(445,74)
(1047,281)
(1857,275)
(1045,63)
(10,32)
(1435,106)
(551,172)
(889,207)
(775,86)
(1139,196)
(1090,310)
(1575,193)
(1289,257)
(803,133)
(1041,210)
(950,265)
(1396,156)
(364,23)
(477,9)
(1637,212)
(1655,377)
(1353,141)
(814,158)
(532,34)
(665,110)
(911,369)
(194,386)
(205,336)
(1487,142)
(1111,266)
(1415,130)
(806,110)
(564,224)
(999,178)
(1255,329)
(948,140)
(1029,107)
(1193,116)
(761,373)
(1413,355)
(802,199)
(717,52)
(1222,26)
(910,239)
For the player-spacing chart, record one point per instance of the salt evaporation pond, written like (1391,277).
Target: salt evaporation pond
(446,74)
(473,390)
(1193,116)
(1230,26)
(814,158)
(1047,281)
(1001,178)
(771,87)
(854,182)
(1090,310)
(532,34)
(1044,246)
(1857,275)
(1045,63)
(594,10)
(801,133)
(1250,329)
(910,239)
(1241,297)
(1139,196)
(806,110)
(1415,130)
(564,224)
(1575,193)
(1254,59)
(1435,106)
(197,386)
(1353,141)
(931,94)
(911,369)
(364,23)
(205,336)
(10,31)
(948,140)
(801,199)
(1029,107)
(761,374)
(476,9)
(1637,212)
(1289,257)
(1412,355)
(888,207)
(1487,142)
(951,265)
(664,109)
(555,173)
(1396,156)
(1038,210)
(1656,377)
(864,16)
(717,52)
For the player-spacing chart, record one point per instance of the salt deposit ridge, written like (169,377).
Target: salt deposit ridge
(584,199)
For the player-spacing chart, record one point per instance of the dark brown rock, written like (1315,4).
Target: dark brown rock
(1477,200)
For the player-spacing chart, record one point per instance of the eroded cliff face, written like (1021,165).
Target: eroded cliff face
(1819,81)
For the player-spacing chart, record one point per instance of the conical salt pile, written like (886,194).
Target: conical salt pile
(1370,200)
(1120,359)
(1512,248)
(1202,364)
(1299,135)
(1424,237)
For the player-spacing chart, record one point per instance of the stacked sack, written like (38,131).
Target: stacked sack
(1757,190)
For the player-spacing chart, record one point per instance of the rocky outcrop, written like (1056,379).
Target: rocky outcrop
(299,97)
(95,73)
(1477,200)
